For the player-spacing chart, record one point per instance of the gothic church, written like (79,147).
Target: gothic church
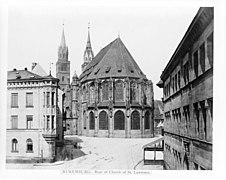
(111,98)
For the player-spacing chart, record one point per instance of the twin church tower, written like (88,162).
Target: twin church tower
(63,64)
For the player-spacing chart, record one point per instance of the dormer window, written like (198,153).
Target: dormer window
(18,76)
(107,69)
(97,71)
(119,70)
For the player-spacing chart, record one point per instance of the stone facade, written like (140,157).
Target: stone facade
(34,119)
(111,98)
(187,83)
(114,105)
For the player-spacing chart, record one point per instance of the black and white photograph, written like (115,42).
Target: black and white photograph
(112,87)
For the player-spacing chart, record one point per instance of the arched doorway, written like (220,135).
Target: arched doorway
(119,121)
(135,120)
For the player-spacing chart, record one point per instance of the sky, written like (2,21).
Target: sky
(150,31)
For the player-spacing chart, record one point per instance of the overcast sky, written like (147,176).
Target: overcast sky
(151,32)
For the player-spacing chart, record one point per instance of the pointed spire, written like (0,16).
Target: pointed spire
(63,41)
(88,45)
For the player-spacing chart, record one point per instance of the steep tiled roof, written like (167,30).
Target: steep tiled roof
(114,60)
(18,75)
(22,75)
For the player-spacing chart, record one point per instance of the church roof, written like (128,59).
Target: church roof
(114,60)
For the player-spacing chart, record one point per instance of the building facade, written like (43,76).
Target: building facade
(115,99)
(34,118)
(111,98)
(187,83)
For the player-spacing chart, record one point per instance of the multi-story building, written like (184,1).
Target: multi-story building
(34,117)
(187,83)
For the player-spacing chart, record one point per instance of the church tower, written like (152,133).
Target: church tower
(63,65)
(88,53)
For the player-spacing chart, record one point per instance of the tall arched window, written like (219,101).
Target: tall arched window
(133,91)
(119,91)
(147,120)
(105,91)
(92,93)
(135,120)
(29,145)
(103,120)
(119,121)
(14,145)
(91,121)
(84,93)
(144,95)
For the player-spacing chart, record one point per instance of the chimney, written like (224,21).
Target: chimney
(14,69)
(33,65)
(25,69)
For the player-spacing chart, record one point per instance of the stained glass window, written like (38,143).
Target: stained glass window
(147,120)
(135,120)
(119,93)
(103,120)
(105,91)
(91,121)
(119,121)
(133,91)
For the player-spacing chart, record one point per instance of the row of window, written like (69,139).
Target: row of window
(14,121)
(47,100)
(14,100)
(29,145)
(119,120)
(197,63)
(118,94)
(200,109)
(175,158)
(49,123)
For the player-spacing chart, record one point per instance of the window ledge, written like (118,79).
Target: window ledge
(29,151)
(14,106)
(31,106)
(14,151)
